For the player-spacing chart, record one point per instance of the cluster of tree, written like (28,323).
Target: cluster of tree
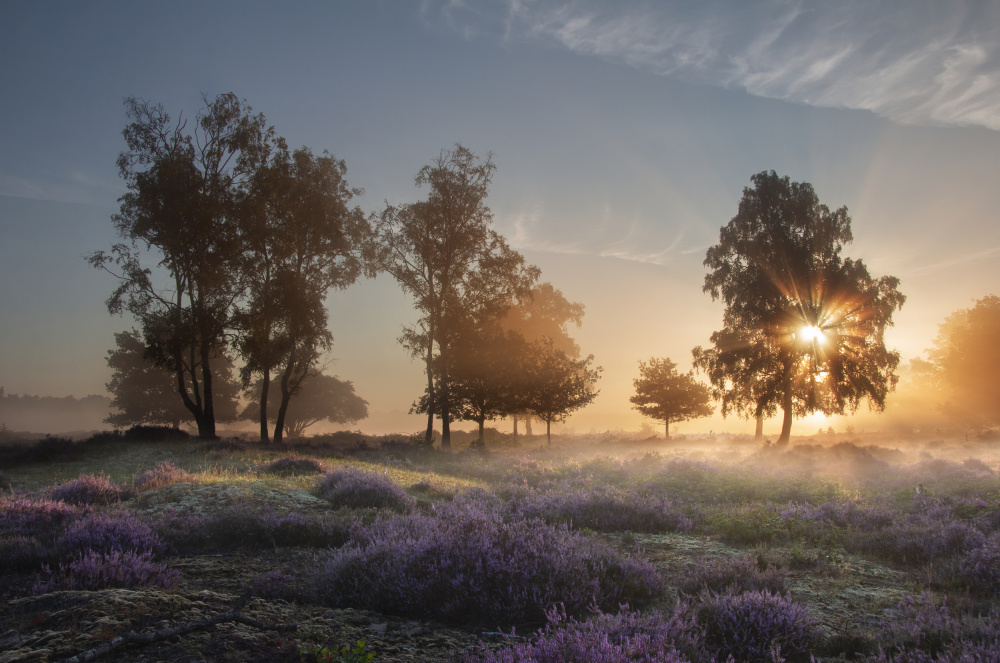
(250,238)
(964,362)
(472,290)
(23,412)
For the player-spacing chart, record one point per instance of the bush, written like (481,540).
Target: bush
(6,485)
(144,433)
(917,539)
(981,566)
(756,626)
(292,465)
(733,576)
(468,565)
(43,519)
(105,533)
(606,509)
(88,489)
(359,489)
(118,569)
(626,637)
(164,474)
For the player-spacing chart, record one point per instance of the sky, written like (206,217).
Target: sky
(623,134)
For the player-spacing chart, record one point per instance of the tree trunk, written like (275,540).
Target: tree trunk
(514,417)
(666,423)
(265,387)
(758,433)
(429,433)
(548,431)
(482,431)
(444,396)
(207,407)
(527,425)
(286,395)
(786,407)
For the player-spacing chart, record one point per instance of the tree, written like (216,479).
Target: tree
(321,397)
(546,313)
(145,393)
(965,361)
(182,204)
(555,384)
(803,326)
(300,240)
(663,394)
(442,251)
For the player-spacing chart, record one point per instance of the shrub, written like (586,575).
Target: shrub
(6,485)
(108,532)
(734,576)
(755,626)
(143,433)
(292,465)
(917,539)
(164,474)
(981,566)
(43,519)
(626,637)
(88,489)
(120,569)
(18,552)
(51,448)
(359,489)
(469,565)
(606,509)
(748,525)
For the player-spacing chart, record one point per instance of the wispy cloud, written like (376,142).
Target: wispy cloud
(934,63)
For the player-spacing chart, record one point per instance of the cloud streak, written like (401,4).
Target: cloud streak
(912,61)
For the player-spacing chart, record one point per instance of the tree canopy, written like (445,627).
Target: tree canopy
(319,397)
(145,393)
(555,384)
(663,394)
(182,205)
(965,360)
(442,251)
(803,326)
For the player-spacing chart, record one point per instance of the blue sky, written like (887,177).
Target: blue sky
(623,133)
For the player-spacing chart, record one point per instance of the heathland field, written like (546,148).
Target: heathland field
(603,548)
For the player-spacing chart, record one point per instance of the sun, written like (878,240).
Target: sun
(812,334)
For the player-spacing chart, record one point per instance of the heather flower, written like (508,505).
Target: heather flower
(605,509)
(757,627)
(107,532)
(472,566)
(981,566)
(122,569)
(359,489)
(88,489)
(39,518)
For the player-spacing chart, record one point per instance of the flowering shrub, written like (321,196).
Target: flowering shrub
(292,465)
(164,474)
(18,552)
(757,627)
(626,637)
(733,576)
(88,489)
(981,566)
(359,489)
(842,514)
(38,518)
(107,532)
(605,509)
(122,569)
(469,565)
(917,539)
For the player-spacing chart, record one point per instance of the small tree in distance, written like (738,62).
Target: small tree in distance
(556,384)
(663,394)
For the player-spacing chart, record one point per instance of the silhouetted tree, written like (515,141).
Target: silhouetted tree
(742,373)
(300,240)
(319,397)
(442,251)
(545,314)
(555,384)
(663,394)
(145,393)
(182,204)
(811,320)
(965,361)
